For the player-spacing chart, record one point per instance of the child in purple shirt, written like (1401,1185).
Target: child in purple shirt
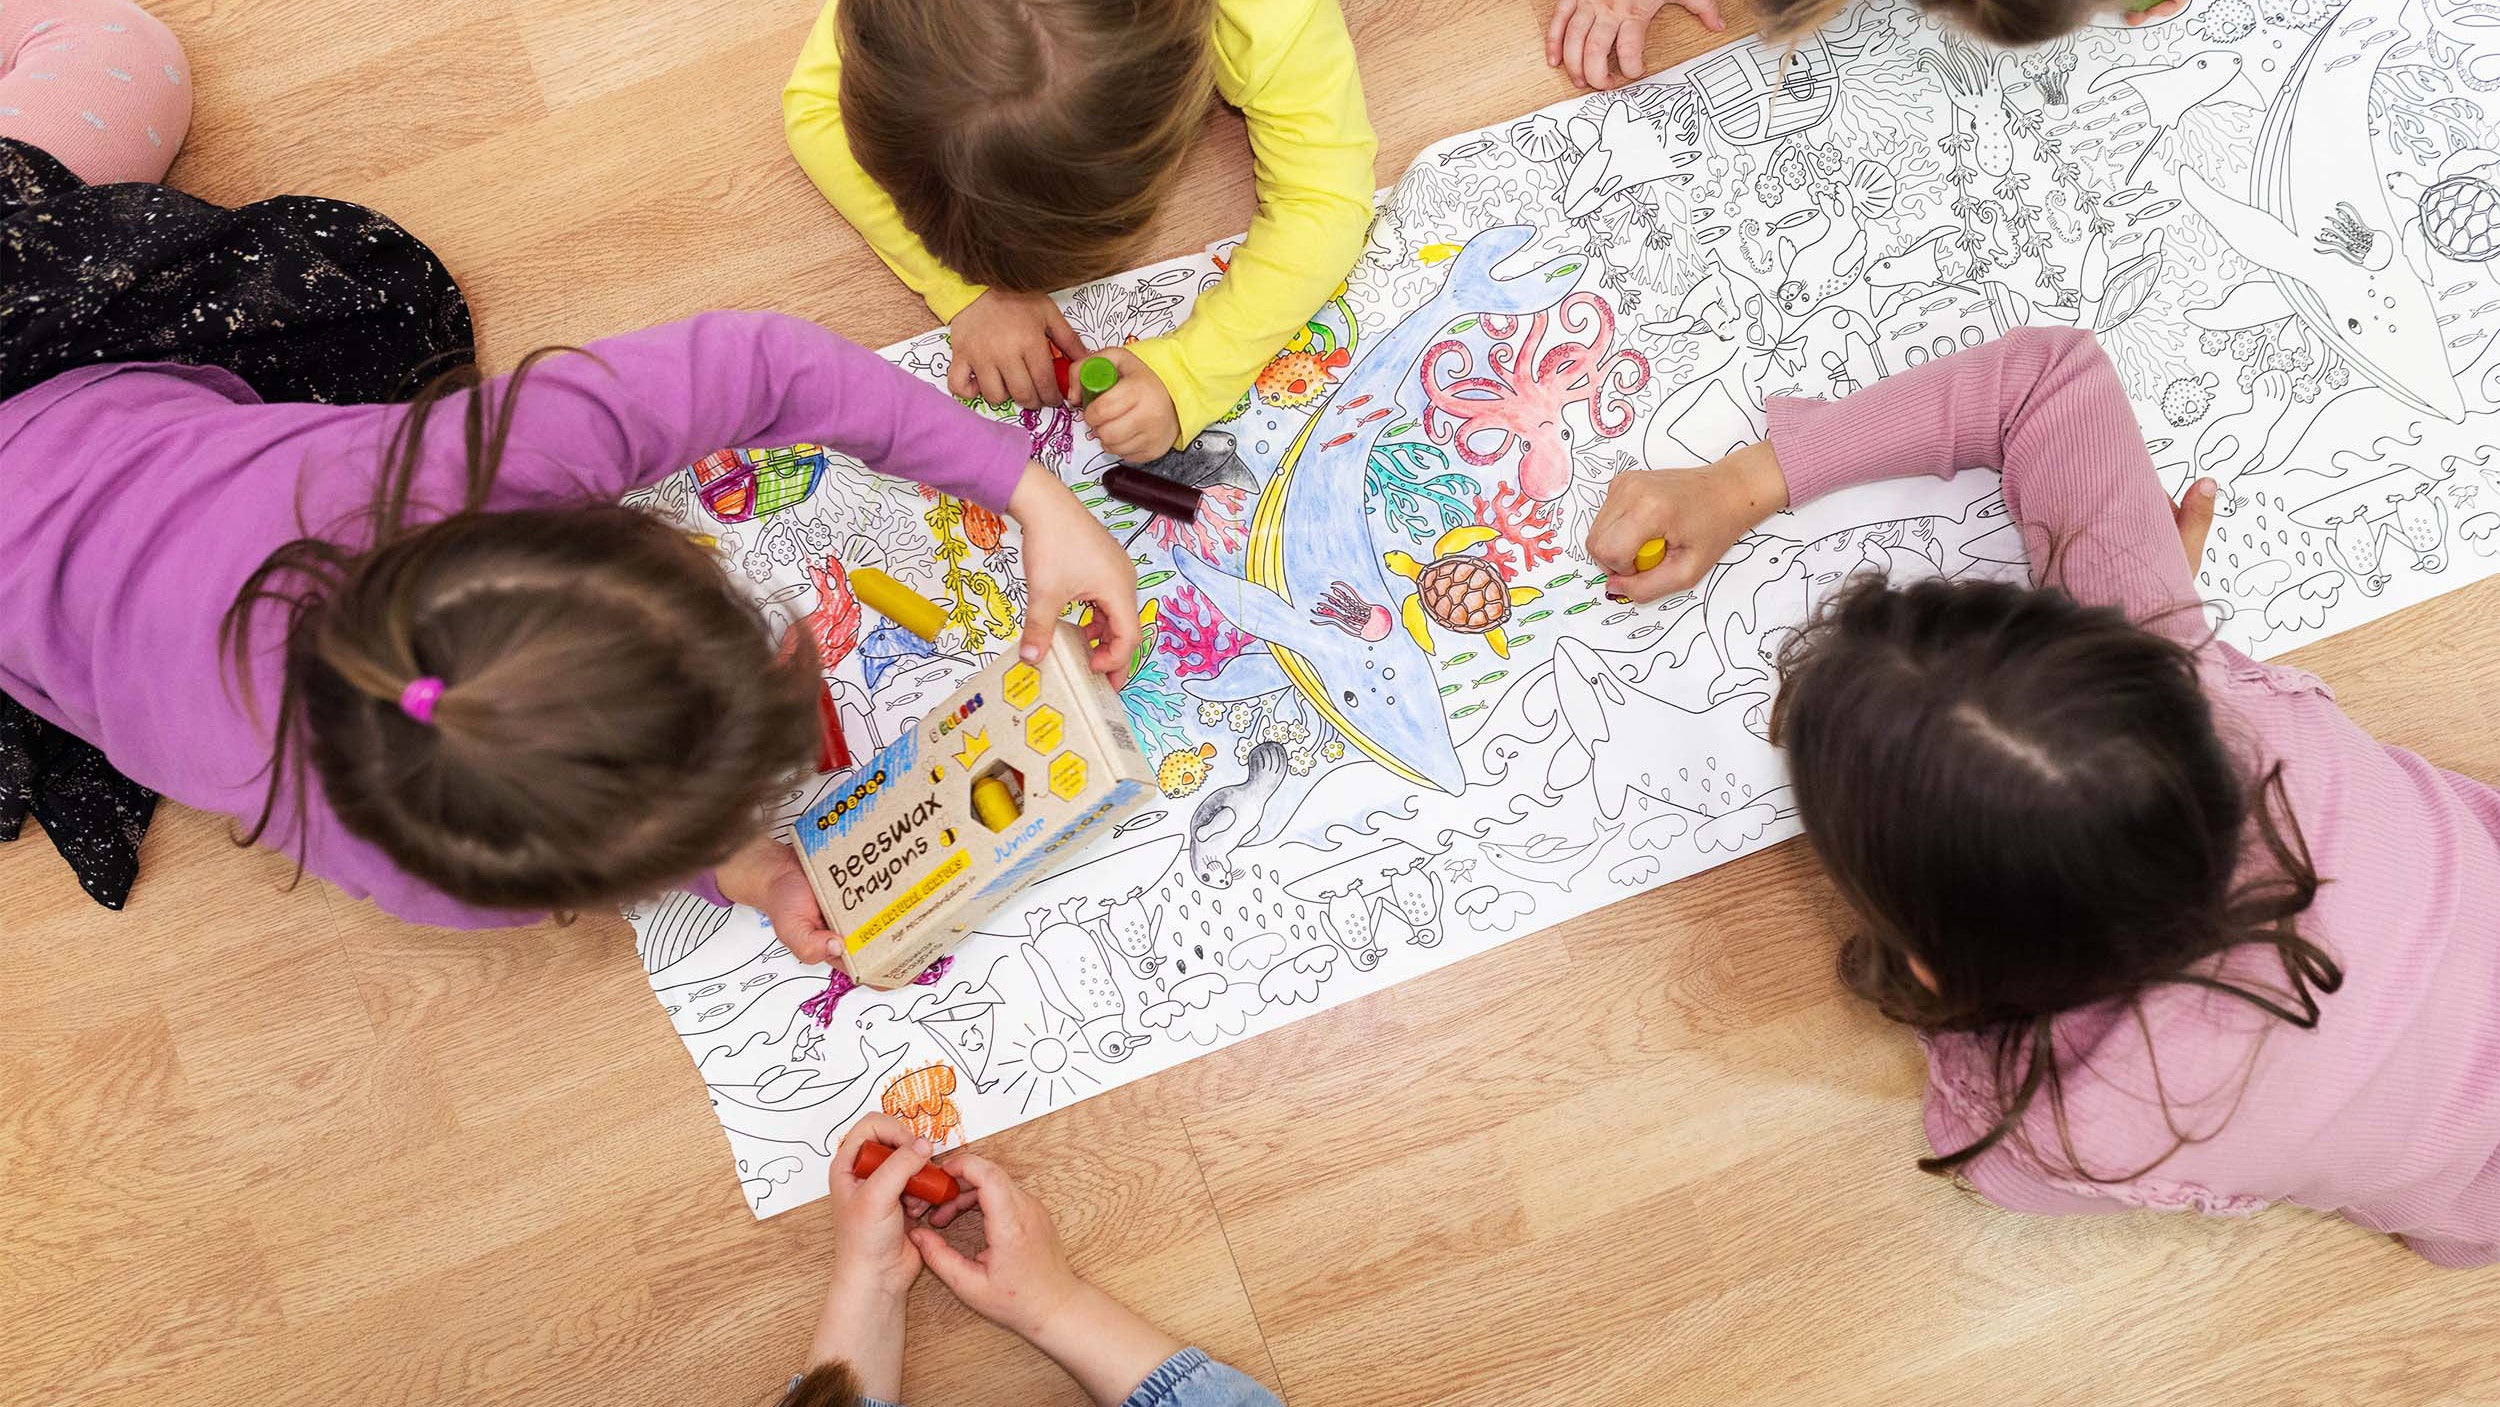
(2174,931)
(422,649)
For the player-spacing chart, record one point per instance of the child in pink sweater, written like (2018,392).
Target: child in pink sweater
(2174,931)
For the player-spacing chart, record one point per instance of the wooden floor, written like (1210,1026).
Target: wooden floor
(263,1146)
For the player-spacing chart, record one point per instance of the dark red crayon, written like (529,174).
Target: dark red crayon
(931,1184)
(1152,492)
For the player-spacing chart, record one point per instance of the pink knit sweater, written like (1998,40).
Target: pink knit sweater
(2388,1112)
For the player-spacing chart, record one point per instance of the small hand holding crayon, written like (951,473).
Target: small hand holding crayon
(871,1217)
(1133,417)
(2148,11)
(1022,1278)
(1003,345)
(1660,531)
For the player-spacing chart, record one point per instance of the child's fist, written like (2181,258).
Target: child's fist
(1022,1278)
(871,1250)
(1002,349)
(1587,36)
(1135,419)
(1698,513)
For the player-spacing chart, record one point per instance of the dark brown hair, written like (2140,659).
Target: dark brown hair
(614,714)
(1026,142)
(2013,23)
(2029,798)
(825,1385)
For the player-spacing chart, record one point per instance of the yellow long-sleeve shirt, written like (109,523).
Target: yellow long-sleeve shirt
(1289,66)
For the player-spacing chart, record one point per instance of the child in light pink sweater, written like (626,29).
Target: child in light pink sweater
(2175,932)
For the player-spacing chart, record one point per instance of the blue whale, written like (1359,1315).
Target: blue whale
(1312,527)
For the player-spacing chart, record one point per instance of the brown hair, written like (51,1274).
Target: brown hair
(614,714)
(2029,798)
(2013,23)
(1026,142)
(825,1385)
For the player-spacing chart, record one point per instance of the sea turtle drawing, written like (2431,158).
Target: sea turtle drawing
(2456,215)
(1460,589)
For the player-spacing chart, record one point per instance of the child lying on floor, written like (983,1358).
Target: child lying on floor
(991,152)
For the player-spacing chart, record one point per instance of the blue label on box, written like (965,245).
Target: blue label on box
(838,810)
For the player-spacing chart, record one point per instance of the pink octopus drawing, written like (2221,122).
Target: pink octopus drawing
(1523,399)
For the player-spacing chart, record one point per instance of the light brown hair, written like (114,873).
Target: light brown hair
(2028,798)
(2013,23)
(614,715)
(825,1385)
(1026,142)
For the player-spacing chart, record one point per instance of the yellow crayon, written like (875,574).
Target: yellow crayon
(995,803)
(898,603)
(1651,554)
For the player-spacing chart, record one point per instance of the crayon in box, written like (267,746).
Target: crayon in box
(903,859)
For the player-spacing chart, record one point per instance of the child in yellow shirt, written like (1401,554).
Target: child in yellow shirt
(993,150)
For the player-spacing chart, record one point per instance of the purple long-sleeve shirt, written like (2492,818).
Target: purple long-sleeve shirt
(2389,1111)
(135,499)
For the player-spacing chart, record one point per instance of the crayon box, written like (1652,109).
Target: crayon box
(1015,774)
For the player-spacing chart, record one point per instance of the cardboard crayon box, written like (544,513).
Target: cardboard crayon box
(903,860)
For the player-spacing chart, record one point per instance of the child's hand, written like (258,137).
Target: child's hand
(1022,1279)
(1135,419)
(1069,556)
(870,1213)
(874,1262)
(1699,512)
(1002,349)
(2162,11)
(1587,34)
(766,875)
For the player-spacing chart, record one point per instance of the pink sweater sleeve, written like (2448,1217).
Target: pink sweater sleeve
(637,407)
(2044,407)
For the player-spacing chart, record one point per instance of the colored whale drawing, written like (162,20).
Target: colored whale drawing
(2317,215)
(1312,528)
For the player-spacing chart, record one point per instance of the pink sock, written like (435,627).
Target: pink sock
(101,85)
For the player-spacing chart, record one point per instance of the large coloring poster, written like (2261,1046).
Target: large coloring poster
(1396,719)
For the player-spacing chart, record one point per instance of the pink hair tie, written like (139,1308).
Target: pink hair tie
(419,698)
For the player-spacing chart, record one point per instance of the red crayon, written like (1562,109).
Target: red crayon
(833,751)
(931,1184)
(1062,368)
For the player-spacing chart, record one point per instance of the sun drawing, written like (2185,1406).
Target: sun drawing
(1046,1066)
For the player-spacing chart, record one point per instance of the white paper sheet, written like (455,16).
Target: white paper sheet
(2278,220)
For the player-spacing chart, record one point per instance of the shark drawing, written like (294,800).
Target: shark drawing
(1622,152)
(1312,529)
(1636,741)
(2317,219)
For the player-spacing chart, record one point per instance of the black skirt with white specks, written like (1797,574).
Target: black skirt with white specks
(305,299)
